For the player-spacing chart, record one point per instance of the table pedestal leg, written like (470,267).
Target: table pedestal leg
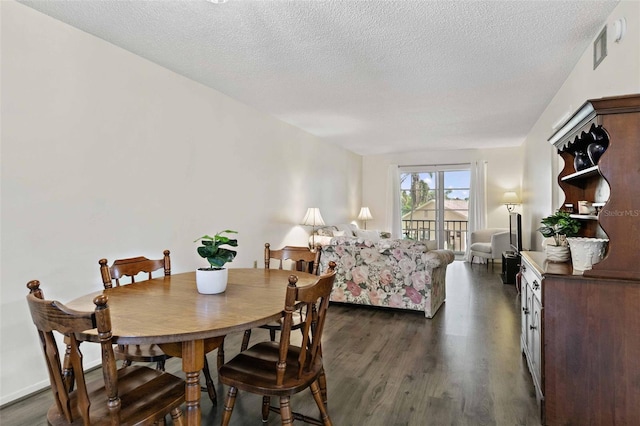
(192,363)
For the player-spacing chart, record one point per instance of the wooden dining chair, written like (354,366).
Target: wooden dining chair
(152,353)
(131,268)
(131,395)
(280,369)
(304,260)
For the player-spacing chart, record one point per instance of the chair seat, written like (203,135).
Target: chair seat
(258,362)
(140,353)
(481,247)
(137,386)
(279,369)
(304,260)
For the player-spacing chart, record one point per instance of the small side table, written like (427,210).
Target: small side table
(510,267)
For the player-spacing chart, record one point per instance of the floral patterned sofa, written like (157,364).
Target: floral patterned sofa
(401,274)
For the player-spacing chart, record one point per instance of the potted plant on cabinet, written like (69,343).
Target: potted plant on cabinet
(556,228)
(213,280)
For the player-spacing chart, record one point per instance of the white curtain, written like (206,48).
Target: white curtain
(393,202)
(477,201)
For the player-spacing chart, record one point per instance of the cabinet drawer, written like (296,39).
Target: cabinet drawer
(534,280)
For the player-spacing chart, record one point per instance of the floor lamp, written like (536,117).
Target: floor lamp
(510,199)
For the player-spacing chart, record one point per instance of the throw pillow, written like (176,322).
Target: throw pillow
(324,232)
(373,236)
(346,229)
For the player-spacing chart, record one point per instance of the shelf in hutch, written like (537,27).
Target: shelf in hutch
(584,216)
(582,174)
(614,181)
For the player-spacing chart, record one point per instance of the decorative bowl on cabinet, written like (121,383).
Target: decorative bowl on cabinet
(586,252)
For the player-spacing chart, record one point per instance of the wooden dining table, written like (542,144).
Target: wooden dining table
(169,310)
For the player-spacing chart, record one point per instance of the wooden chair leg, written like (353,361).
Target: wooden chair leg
(245,340)
(266,403)
(322,381)
(285,410)
(211,390)
(229,402)
(317,396)
(220,359)
(176,415)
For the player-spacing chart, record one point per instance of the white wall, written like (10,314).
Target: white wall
(618,74)
(504,173)
(105,154)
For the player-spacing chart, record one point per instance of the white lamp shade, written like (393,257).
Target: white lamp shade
(510,197)
(365,214)
(313,217)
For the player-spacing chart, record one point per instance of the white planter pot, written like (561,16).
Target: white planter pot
(586,252)
(211,281)
(557,253)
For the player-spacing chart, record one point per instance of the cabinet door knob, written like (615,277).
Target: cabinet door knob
(525,310)
(536,284)
(532,327)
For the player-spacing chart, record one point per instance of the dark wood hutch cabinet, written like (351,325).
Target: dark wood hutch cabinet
(590,358)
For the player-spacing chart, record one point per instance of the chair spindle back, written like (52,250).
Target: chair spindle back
(132,267)
(304,259)
(49,316)
(315,298)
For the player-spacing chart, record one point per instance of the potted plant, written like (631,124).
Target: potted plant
(556,228)
(213,280)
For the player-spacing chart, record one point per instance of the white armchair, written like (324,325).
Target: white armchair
(489,244)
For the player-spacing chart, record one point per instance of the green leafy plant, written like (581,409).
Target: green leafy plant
(558,225)
(210,249)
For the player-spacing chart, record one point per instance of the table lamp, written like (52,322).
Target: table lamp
(313,218)
(365,215)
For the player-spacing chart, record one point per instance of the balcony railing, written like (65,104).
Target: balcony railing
(455,232)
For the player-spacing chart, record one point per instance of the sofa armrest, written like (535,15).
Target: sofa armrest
(485,235)
(445,256)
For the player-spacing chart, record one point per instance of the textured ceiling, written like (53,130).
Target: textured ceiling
(372,76)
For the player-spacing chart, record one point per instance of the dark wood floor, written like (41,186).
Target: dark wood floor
(463,367)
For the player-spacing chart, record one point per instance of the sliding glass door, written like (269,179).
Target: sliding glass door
(435,204)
